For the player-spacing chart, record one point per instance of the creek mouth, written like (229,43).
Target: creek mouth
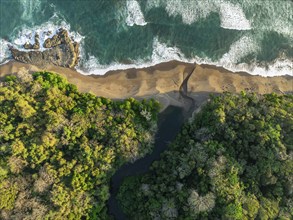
(169,125)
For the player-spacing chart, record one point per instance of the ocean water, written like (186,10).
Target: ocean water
(241,35)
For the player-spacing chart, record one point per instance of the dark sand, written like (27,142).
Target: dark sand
(163,81)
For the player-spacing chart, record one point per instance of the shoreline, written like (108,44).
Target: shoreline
(162,81)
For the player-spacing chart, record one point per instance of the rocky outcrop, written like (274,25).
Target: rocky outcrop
(34,46)
(60,50)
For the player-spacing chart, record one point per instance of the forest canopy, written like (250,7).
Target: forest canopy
(59,147)
(234,160)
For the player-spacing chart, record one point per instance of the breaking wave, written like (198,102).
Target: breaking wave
(46,30)
(134,14)
(231,15)
(29,8)
(239,49)
(252,21)
(163,53)
(190,11)
(24,34)
(4,51)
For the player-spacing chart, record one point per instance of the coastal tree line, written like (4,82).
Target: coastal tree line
(59,147)
(234,160)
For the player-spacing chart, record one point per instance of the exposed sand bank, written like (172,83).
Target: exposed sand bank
(163,81)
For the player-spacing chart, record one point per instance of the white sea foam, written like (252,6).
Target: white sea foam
(243,47)
(279,67)
(163,53)
(270,15)
(278,17)
(24,34)
(233,17)
(239,49)
(92,66)
(190,11)
(4,51)
(187,13)
(134,14)
(89,66)
(46,30)
(153,4)
(29,8)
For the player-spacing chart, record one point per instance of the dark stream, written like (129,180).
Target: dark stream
(169,125)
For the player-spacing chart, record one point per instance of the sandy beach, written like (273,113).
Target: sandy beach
(163,81)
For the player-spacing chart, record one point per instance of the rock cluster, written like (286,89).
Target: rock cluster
(35,46)
(61,51)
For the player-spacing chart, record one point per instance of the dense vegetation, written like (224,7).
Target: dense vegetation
(234,160)
(59,147)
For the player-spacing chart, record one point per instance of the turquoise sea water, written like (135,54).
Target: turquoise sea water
(251,35)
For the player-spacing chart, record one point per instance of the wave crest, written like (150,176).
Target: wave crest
(24,34)
(163,53)
(239,49)
(29,8)
(233,17)
(46,30)
(134,14)
(4,51)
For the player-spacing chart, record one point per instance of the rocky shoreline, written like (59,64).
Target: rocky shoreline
(60,50)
